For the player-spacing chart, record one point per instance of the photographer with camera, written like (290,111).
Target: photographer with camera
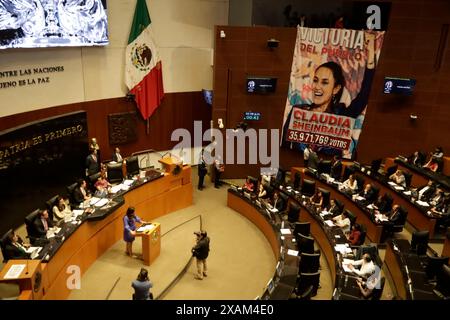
(200,251)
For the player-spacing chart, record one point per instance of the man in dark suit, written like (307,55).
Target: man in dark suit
(202,171)
(277,202)
(313,160)
(42,223)
(396,215)
(92,163)
(334,208)
(426,192)
(116,156)
(336,168)
(368,193)
(80,194)
(15,248)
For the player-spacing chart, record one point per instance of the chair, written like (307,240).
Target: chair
(376,192)
(372,250)
(29,221)
(305,244)
(351,216)
(340,205)
(93,179)
(305,281)
(115,173)
(375,165)
(347,172)
(285,198)
(3,241)
(324,166)
(308,187)
(387,203)
(309,263)
(70,189)
(408,178)
(326,197)
(302,227)
(391,170)
(296,183)
(49,204)
(255,183)
(132,166)
(362,237)
(281,176)
(293,213)
(434,264)
(419,242)
(360,182)
(401,223)
(377,292)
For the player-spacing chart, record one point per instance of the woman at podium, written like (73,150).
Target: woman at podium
(129,231)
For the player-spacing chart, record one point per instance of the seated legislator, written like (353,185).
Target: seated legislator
(381,204)
(349,185)
(368,193)
(15,248)
(277,202)
(355,235)
(42,224)
(438,197)
(81,194)
(367,267)
(334,208)
(444,213)
(116,156)
(262,194)
(399,178)
(336,168)
(265,180)
(249,185)
(343,221)
(317,199)
(61,209)
(426,192)
(438,153)
(102,187)
(417,159)
(432,165)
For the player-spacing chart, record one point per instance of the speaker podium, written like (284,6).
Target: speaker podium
(30,280)
(169,163)
(151,243)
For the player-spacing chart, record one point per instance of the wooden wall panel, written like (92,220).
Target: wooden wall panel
(409,50)
(178,110)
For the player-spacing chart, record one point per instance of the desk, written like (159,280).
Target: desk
(417,216)
(374,230)
(407,273)
(91,239)
(30,281)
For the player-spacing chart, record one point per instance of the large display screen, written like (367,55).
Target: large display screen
(52,23)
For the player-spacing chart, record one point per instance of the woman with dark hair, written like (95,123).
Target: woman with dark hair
(61,209)
(142,286)
(129,231)
(15,248)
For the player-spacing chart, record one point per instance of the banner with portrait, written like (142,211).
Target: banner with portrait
(331,76)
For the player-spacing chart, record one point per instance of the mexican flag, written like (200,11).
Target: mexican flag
(143,73)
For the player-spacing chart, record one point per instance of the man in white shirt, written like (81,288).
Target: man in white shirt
(367,266)
(306,154)
(426,191)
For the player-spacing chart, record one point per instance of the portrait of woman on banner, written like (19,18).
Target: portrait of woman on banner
(330,92)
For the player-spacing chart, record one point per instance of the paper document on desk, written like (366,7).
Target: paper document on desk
(370,206)
(342,248)
(399,188)
(392,183)
(101,203)
(381,217)
(408,193)
(15,271)
(360,198)
(346,268)
(422,203)
(145,228)
(292,252)
(285,231)
(329,223)
(77,212)
(347,261)
(31,249)
(274,210)
(94,200)
(128,182)
(116,188)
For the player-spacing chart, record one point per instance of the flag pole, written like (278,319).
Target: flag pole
(148,127)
